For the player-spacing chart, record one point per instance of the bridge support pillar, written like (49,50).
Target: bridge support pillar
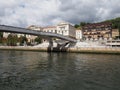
(50,47)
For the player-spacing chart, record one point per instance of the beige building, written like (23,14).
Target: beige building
(115,32)
(97,31)
(31,38)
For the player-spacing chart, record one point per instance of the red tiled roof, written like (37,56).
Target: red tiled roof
(96,24)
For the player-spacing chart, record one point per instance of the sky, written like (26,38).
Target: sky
(23,13)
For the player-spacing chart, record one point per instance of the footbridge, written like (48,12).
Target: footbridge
(12,29)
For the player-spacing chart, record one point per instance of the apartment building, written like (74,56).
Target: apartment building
(97,31)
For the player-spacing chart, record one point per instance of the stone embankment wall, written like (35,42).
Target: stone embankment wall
(109,50)
(24,48)
(115,50)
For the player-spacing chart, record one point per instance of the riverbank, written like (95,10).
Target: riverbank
(22,48)
(99,50)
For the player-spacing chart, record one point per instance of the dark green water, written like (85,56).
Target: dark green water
(58,71)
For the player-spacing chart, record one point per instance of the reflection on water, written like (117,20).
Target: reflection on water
(58,71)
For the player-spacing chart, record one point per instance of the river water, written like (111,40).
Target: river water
(21,70)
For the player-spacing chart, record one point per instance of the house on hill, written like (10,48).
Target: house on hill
(97,31)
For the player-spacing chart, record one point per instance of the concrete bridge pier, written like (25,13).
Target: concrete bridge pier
(62,47)
(50,47)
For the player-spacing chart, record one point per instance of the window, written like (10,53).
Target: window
(62,28)
(55,31)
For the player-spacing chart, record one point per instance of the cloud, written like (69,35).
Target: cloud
(49,12)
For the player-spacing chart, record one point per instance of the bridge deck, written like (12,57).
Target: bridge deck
(4,28)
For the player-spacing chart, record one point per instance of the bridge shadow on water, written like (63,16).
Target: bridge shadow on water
(57,49)
(60,47)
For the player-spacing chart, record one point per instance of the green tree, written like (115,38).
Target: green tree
(22,40)
(115,22)
(1,34)
(76,26)
(1,37)
(12,40)
(38,39)
(83,24)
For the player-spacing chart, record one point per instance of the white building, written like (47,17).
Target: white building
(66,29)
(62,28)
(51,29)
(78,34)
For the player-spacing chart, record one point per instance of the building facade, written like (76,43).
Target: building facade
(31,38)
(97,31)
(115,33)
(78,34)
(51,29)
(66,29)
(62,28)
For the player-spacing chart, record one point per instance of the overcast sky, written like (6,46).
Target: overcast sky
(23,13)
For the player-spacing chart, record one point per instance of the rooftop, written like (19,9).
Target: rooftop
(93,25)
(49,27)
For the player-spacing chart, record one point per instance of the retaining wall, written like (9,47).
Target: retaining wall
(112,50)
